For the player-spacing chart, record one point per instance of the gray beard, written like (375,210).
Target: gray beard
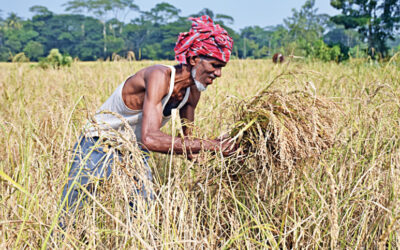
(200,87)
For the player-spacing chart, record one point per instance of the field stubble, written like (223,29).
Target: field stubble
(346,198)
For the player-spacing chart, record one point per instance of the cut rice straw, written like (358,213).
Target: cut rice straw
(294,125)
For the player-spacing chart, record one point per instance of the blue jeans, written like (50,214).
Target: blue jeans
(90,161)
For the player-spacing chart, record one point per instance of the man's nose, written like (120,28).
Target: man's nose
(218,72)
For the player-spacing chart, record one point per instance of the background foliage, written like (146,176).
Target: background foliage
(368,27)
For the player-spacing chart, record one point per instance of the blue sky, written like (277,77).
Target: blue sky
(245,12)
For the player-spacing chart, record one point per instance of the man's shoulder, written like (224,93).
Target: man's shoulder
(157,70)
(157,79)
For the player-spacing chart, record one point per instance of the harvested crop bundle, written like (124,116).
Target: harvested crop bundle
(285,128)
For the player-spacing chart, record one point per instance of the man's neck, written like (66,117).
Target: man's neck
(183,77)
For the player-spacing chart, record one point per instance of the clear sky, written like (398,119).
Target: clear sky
(245,12)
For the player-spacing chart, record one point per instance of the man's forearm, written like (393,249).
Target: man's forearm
(194,145)
(164,144)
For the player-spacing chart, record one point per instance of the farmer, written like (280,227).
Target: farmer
(145,101)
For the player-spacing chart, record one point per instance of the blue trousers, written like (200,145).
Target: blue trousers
(91,162)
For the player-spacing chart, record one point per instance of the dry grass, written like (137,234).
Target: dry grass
(347,197)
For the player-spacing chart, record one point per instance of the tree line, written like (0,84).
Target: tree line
(97,29)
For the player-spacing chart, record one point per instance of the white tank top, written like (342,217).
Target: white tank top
(108,123)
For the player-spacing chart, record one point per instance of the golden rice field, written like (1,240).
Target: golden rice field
(346,198)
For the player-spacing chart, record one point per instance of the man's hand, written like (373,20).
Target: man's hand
(223,144)
(224,136)
(227,146)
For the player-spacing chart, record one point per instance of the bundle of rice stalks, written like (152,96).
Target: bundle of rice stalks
(285,128)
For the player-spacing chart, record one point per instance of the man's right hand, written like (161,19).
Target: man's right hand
(227,146)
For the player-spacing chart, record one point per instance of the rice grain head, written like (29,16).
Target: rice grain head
(295,125)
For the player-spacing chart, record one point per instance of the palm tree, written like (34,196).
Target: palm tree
(13,21)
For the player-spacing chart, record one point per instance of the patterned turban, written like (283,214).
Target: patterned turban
(204,38)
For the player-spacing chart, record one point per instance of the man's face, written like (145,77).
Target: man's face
(206,70)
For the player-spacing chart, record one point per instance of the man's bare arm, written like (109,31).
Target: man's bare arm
(152,138)
(187,112)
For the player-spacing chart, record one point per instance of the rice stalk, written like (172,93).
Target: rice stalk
(296,126)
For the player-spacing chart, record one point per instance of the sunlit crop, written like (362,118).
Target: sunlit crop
(337,185)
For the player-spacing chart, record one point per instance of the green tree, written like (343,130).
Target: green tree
(278,37)
(394,44)
(306,24)
(153,35)
(344,38)
(162,13)
(255,41)
(115,44)
(13,21)
(102,9)
(340,35)
(40,10)
(150,36)
(15,33)
(90,45)
(320,50)
(34,50)
(305,28)
(3,50)
(375,20)
(1,18)
(217,18)
(136,35)
(73,34)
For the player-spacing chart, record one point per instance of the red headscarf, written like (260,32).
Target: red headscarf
(204,38)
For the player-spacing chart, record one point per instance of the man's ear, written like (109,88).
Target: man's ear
(193,60)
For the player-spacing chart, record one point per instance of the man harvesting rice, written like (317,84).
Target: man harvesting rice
(145,101)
